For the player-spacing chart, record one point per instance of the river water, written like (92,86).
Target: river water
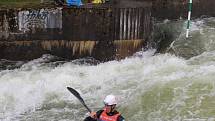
(176,85)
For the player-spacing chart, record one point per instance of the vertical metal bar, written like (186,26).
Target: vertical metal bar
(121,24)
(133,23)
(127,23)
(136,24)
(124,23)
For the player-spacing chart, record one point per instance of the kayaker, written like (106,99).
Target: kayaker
(109,113)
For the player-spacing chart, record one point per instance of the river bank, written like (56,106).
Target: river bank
(20,3)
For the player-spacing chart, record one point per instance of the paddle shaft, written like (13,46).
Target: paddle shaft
(77,95)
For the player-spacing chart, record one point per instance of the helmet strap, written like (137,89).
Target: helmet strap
(113,108)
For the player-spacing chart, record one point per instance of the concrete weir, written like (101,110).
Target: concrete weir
(104,32)
(107,31)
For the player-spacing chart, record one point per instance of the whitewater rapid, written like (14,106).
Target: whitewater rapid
(150,86)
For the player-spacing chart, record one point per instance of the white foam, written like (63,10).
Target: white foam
(25,90)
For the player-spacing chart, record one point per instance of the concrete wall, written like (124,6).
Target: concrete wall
(100,32)
(105,24)
(175,9)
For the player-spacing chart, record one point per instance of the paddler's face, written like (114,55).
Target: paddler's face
(109,108)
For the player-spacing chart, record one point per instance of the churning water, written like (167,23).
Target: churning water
(150,86)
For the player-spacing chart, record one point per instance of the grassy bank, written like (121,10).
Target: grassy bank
(22,3)
(28,3)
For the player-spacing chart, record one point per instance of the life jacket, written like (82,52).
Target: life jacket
(105,117)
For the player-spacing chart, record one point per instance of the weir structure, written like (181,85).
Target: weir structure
(107,31)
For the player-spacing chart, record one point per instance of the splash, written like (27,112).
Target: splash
(149,86)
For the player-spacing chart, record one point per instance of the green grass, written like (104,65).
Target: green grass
(6,4)
(22,3)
